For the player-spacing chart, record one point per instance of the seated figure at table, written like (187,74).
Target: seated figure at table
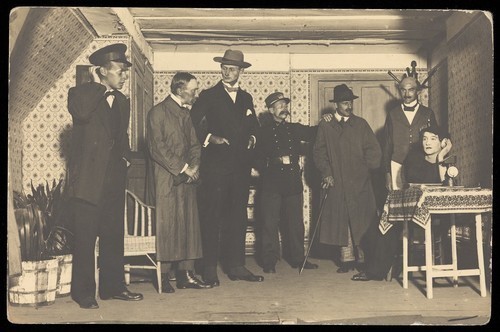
(421,166)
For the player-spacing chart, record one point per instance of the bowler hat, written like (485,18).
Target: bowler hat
(275,97)
(342,93)
(233,57)
(113,52)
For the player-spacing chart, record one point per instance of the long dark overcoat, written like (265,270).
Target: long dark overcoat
(172,143)
(347,153)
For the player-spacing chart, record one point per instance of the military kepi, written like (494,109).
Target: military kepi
(275,97)
(113,52)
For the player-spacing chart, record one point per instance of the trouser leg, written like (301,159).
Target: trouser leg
(295,225)
(85,233)
(271,206)
(234,229)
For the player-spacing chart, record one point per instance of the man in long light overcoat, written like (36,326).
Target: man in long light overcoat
(344,152)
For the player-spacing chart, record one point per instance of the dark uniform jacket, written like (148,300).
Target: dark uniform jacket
(276,140)
(215,112)
(400,135)
(99,137)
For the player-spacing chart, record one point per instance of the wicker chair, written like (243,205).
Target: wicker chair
(142,240)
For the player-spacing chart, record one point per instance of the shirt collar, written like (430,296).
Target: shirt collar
(179,102)
(236,85)
(412,104)
(339,117)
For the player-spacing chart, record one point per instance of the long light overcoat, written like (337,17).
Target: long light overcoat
(172,143)
(347,153)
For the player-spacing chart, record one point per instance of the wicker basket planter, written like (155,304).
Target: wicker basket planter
(64,275)
(37,285)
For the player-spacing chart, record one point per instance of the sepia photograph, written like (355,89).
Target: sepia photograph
(249,166)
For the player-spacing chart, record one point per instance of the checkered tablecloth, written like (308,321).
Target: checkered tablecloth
(414,203)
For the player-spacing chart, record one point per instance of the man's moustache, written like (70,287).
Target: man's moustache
(284,113)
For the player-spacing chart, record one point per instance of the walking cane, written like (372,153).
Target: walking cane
(322,205)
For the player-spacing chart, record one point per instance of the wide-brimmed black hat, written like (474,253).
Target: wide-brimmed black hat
(342,93)
(113,52)
(233,57)
(275,97)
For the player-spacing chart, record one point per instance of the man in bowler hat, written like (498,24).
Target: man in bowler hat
(96,177)
(277,160)
(345,151)
(225,122)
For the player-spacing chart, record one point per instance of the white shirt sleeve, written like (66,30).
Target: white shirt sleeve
(205,144)
(184,168)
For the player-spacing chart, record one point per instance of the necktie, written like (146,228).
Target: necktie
(409,108)
(229,89)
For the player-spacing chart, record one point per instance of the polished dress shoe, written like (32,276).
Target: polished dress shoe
(210,276)
(308,265)
(241,273)
(126,295)
(212,282)
(269,269)
(345,267)
(187,279)
(88,303)
(363,276)
(166,287)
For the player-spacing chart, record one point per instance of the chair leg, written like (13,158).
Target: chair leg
(126,268)
(158,275)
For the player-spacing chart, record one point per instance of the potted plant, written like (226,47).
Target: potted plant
(45,246)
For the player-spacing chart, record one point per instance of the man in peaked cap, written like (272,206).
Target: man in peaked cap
(225,122)
(96,177)
(277,160)
(345,151)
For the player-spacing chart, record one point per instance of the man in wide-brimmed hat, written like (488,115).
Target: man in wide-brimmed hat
(345,151)
(97,173)
(225,122)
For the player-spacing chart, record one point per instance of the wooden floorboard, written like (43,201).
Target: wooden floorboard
(316,296)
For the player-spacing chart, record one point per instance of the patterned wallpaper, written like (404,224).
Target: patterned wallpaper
(47,129)
(470,89)
(49,42)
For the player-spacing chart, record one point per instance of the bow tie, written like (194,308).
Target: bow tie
(109,93)
(409,108)
(229,89)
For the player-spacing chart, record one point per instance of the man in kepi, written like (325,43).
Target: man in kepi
(277,160)
(96,177)
(225,122)
(344,152)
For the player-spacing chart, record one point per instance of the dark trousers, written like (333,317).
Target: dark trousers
(382,250)
(106,221)
(291,205)
(223,201)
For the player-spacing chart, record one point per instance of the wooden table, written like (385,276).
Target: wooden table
(417,204)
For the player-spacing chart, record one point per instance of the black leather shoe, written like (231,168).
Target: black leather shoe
(88,303)
(308,265)
(187,279)
(166,287)
(345,267)
(363,276)
(124,296)
(269,269)
(242,273)
(212,282)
